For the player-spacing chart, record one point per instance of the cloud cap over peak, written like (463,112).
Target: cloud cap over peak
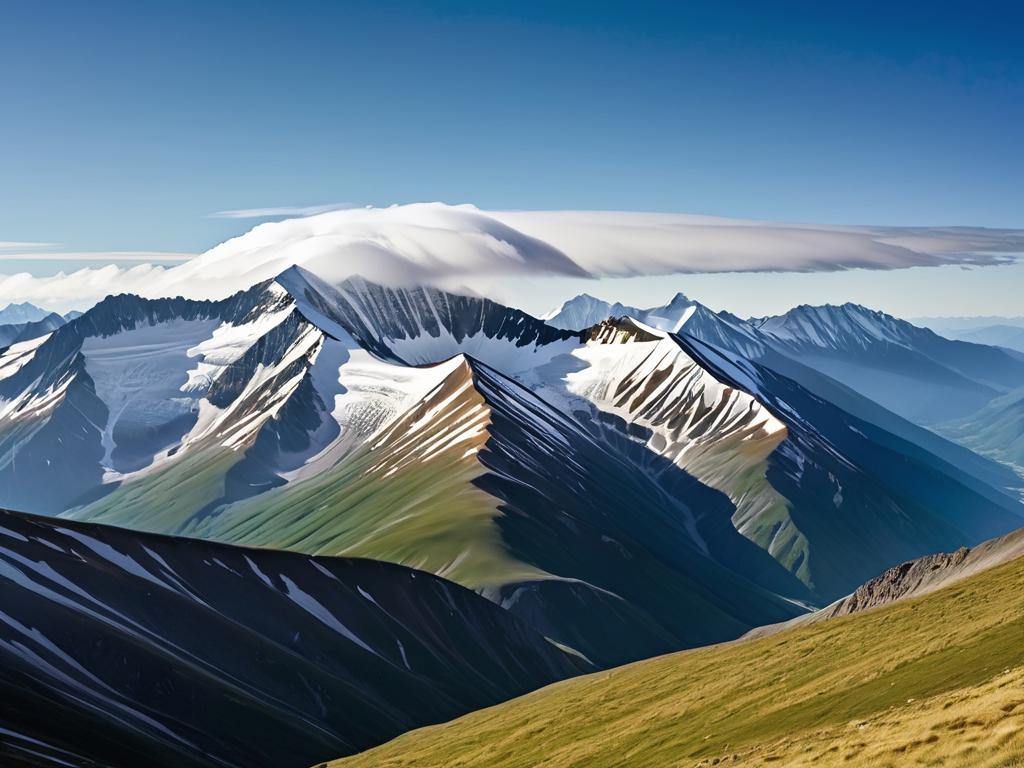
(428,243)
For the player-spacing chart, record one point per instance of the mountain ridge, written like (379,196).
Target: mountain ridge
(454,434)
(120,646)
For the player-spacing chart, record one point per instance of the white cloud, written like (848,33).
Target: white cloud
(17,245)
(79,289)
(626,244)
(461,247)
(107,256)
(282,211)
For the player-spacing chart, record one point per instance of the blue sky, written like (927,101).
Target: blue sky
(123,126)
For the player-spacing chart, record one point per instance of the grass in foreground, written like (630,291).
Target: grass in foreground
(933,681)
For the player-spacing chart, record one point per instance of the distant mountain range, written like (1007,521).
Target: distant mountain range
(1009,336)
(1005,332)
(25,321)
(585,311)
(943,384)
(951,325)
(19,314)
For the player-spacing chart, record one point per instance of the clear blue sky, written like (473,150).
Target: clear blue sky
(123,125)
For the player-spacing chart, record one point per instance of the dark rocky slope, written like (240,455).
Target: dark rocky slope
(123,649)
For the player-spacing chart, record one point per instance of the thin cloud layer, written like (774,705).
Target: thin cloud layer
(276,212)
(111,256)
(462,247)
(17,245)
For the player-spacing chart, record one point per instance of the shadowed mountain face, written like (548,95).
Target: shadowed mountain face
(873,473)
(121,649)
(117,388)
(875,366)
(626,490)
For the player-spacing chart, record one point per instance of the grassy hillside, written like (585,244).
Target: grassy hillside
(409,497)
(936,681)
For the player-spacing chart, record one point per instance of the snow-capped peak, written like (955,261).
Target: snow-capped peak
(25,312)
(835,327)
(585,311)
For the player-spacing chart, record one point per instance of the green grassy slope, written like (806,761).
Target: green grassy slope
(937,680)
(165,501)
(408,497)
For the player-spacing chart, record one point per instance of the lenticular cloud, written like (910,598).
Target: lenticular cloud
(463,247)
(620,244)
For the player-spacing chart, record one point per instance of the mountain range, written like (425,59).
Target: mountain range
(858,359)
(20,314)
(604,486)
(1005,332)
(620,476)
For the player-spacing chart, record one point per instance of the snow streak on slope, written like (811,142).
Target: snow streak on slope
(765,478)
(635,383)
(305,422)
(362,394)
(296,403)
(16,356)
(273,376)
(890,497)
(407,492)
